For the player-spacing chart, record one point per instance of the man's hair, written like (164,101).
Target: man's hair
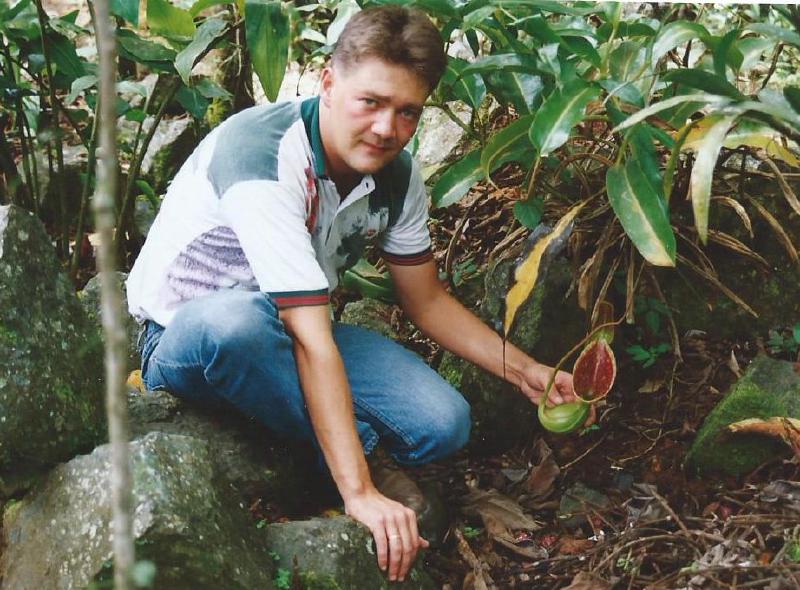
(396,34)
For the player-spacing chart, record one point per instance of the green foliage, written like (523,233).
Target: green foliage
(785,342)
(283,579)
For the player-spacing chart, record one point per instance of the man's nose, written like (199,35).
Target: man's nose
(383,124)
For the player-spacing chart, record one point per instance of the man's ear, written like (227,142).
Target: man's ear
(327,82)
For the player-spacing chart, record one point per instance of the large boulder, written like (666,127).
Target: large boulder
(547,326)
(185,522)
(90,300)
(371,314)
(334,554)
(51,402)
(768,389)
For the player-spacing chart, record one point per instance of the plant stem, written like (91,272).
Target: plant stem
(87,183)
(115,338)
(138,158)
(63,238)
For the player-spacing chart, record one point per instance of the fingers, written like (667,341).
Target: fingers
(381,547)
(403,544)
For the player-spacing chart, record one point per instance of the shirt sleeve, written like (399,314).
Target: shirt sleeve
(408,242)
(269,220)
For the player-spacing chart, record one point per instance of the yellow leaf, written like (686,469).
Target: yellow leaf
(787,429)
(527,272)
(760,137)
(135,380)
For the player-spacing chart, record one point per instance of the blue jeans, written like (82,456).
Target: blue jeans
(231,347)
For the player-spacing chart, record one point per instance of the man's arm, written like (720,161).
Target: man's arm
(327,393)
(442,318)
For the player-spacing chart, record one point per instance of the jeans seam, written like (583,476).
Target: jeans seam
(407,440)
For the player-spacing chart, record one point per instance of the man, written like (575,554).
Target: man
(254,231)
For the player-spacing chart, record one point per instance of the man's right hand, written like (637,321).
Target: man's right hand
(394,528)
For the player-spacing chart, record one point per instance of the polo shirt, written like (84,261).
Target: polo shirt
(253,209)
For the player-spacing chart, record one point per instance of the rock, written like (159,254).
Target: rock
(51,394)
(185,523)
(371,314)
(253,463)
(90,300)
(75,158)
(172,143)
(439,135)
(577,501)
(333,554)
(768,388)
(547,327)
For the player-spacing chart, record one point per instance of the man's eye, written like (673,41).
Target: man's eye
(370,102)
(410,115)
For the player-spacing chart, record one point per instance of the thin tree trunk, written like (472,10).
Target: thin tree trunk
(115,338)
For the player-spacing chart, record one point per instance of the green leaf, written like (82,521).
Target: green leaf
(169,21)
(515,62)
(726,53)
(529,212)
(194,102)
(505,142)
(208,32)
(201,5)
(127,9)
(792,95)
(641,210)
(64,56)
(626,91)
(775,33)
(364,278)
(627,60)
(344,10)
(78,86)
(672,163)
(702,98)
(702,80)
(707,152)
(211,89)
(137,115)
(559,113)
(267,29)
(582,47)
(142,51)
(468,89)
(675,34)
(456,181)
(520,89)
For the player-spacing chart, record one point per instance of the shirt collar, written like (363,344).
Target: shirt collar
(309,111)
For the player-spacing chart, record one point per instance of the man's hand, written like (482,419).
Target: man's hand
(394,528)
(534,380)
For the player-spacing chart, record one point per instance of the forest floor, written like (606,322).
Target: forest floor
(639,520)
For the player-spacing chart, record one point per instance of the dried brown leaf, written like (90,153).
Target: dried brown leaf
(588,581)
(732,243)
(500,514)
(718,284)
(786,429)
(540,483)
(739,209)
(780,233)
(788,193)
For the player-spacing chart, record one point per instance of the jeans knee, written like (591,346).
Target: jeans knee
(235,328)
(449,431)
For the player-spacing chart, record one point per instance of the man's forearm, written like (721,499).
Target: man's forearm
(327,393)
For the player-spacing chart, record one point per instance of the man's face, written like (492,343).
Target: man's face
(373,110)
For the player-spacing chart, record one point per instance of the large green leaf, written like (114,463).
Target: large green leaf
(675,34)
(663,105)
(780,112)
(468,89)
(506,142)
(208,32)
(64,56)
(457,180)
(703,80)
(559,113)
(201,5)
(641,210)
(520,89)
(267,29)
(344,10)
(142,51)
(727,54)
(627,60)
(775,33)
(707,152)
(127,9)
(169,21)
(626,91)
(505,61)
(193,101)
(792,95)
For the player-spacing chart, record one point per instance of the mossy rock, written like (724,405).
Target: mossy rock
(371,314)
(335,554)
(769,388)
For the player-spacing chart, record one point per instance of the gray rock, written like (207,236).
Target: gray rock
(51,402)
(185,523)
(335,554)
(547,326)
(371,314)
(90,300)
(173,142)
(244,455)
(769,388)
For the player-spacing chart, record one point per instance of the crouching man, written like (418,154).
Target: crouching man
(252,236)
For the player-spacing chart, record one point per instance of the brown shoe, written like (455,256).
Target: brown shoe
(391,481)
